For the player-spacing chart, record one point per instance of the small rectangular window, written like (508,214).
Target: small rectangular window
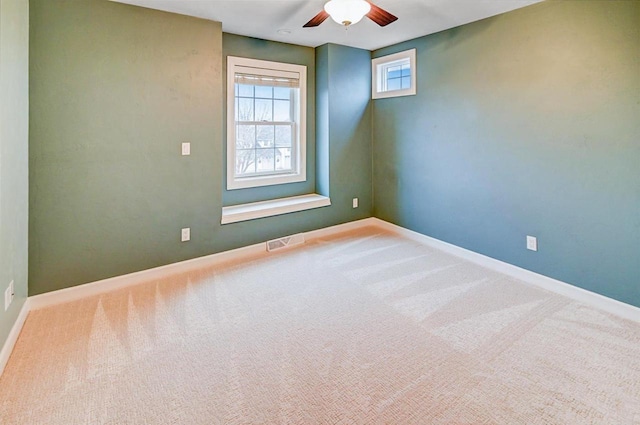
(266,130)
(394,75)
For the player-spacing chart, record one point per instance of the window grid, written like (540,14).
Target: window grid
(264,130)
(396,75)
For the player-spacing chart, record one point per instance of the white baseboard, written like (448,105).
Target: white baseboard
(48,299)
(340,228)
(607,304)
(10,343)
(106,285)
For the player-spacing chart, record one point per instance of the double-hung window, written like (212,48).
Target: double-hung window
(266,123)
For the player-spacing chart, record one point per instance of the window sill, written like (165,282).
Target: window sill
(394,93)
(254,210)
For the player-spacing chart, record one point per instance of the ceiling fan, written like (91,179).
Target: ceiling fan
(349,12)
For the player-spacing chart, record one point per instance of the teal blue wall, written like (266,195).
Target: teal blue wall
(115,90)
(344,124)
(254,48)
(14,159)
(323,180)
(527,123)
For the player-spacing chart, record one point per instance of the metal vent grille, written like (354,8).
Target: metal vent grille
(285,242)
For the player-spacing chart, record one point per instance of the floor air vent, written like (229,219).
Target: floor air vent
(285,242)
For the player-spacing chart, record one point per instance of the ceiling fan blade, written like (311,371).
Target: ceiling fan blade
(317,20)
(380,16)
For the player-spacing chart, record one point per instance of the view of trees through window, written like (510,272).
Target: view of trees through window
(264,129)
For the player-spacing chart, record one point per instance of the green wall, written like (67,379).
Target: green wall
(14,161)
(527,123)
(115,90)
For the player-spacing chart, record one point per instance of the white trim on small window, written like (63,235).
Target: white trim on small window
(266,123)
(394,75)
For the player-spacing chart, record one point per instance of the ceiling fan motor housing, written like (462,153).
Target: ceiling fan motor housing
(347,12)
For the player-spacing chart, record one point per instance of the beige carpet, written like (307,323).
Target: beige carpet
(362,328)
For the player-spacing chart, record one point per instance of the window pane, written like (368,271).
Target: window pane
(245,90)
(245,137)
(283,159)
(245,161)
(406,70)
(394,72)
(265,160)
(282,93)
(406,82)
(283,135)
(282,110)
(245,110)
(394,84)
(265,137)
(264,110)
(264,92)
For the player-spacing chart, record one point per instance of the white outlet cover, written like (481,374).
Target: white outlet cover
(7,298)
(532,243)
(186,148)
(186,234)
(355,202)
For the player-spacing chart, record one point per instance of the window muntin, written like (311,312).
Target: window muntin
(394,75)
(266,128)
(397,75)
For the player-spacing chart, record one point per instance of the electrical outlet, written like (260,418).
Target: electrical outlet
(355,202)
(532,243)
(8,296)
(186,234)
(186,149)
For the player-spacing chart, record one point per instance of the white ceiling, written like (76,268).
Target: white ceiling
(263,18)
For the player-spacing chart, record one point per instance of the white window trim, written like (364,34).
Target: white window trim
(270,68)
(254,210)
(376,81)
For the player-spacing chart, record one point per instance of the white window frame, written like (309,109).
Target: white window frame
(378,72)
(299,141)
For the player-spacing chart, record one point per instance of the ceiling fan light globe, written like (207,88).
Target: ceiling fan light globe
(347,12)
